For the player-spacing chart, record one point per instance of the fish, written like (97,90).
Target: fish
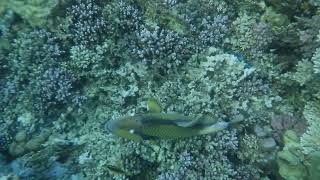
(115,170)
(155,126)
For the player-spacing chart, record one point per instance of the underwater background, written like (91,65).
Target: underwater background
(71,69)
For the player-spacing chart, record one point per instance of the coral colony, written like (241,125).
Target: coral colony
(160,90)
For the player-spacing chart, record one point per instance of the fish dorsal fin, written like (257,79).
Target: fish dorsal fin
(153,106)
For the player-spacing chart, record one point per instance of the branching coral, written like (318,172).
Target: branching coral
(310,139)
(157,46)
(87,25)
(53,88)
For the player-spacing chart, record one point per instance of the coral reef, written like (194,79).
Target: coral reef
(68,67)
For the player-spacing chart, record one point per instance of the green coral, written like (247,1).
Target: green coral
(299,158)
(316,59)
(310,140)
(35,11)
(313,165)
(276,19)
(250,150)
(290,159)
(296,161)
(304,73)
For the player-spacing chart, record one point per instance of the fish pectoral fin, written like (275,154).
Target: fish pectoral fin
(187,123)
(153,106)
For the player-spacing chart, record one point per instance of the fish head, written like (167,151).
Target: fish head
(125,127)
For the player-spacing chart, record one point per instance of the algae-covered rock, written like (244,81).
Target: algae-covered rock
(21,136)
(26,119)
(268,143)
(17,149)
(275,18)
(33,11)
(35,143)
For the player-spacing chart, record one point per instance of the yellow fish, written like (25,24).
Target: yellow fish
(156,125)
(153,126)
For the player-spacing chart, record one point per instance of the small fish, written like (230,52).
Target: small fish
(152,126)
(116,170)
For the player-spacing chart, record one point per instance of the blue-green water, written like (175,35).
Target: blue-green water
(160,90)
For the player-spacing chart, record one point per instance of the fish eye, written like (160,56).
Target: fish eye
(131,131)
